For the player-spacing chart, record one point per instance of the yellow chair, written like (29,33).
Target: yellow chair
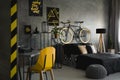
(44,63)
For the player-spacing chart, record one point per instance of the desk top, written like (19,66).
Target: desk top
(30,54)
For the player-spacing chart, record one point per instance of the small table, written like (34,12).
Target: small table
(28,55)
(118,52)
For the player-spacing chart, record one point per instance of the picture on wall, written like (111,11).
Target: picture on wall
(53,16)
(35,7)
(27,29)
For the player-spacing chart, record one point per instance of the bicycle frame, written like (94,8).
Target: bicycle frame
(69,33)
(75,31)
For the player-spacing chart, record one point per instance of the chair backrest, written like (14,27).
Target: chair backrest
(46,58)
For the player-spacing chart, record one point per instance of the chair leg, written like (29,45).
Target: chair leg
(27,76)
(52,75)
(41,75)
(46,75)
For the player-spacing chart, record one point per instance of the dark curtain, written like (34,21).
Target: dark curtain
(114,24)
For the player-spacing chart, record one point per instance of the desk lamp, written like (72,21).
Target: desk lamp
(101,45)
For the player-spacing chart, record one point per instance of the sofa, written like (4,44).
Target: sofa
(72,51)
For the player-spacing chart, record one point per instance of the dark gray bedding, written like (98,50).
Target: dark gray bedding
(110,61)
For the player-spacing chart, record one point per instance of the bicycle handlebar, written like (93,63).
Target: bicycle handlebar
(65,22)
(79,22)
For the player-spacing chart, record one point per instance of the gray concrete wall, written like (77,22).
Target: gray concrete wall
(4,39)
(94,13)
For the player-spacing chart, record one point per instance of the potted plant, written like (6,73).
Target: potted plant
(55,31)
(110,45)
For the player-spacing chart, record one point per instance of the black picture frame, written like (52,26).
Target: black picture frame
(35,7)
(52,16)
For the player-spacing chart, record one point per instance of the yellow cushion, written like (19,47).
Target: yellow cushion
(83,49)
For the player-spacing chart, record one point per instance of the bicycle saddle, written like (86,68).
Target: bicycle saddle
(78,21)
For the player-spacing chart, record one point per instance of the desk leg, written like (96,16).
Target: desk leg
(19,72)
(23,68)
(30,66)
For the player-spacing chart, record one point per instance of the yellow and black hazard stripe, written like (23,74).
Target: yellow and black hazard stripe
(13,41)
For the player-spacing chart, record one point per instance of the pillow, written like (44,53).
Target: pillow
(83,49)
(94,50)
(91,49)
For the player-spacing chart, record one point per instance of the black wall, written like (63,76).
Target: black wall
(4,39)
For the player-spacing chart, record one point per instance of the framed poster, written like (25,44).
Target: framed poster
(52,16)
(35,7)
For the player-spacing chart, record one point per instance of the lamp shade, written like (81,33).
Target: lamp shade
(101,30)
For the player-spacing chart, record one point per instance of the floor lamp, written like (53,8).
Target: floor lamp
(101,46)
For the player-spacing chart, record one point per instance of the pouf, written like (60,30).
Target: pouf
(96,71)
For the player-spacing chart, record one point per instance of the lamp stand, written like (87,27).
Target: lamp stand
(101,46)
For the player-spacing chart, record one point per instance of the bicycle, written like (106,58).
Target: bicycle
(68,33)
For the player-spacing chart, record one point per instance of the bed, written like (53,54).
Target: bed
(110,61)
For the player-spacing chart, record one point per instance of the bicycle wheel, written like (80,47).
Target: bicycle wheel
(66,35)
(84,35)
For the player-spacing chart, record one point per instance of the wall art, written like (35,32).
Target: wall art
(35,7)
(52,16)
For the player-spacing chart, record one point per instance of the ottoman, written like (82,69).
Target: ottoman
(96,71)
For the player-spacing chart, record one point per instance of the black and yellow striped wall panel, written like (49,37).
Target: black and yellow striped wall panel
(13,41)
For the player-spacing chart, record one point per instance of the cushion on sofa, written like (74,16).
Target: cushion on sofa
(71,49)
(83,49)
(91,49)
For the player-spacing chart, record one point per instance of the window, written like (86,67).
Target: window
(119,34)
